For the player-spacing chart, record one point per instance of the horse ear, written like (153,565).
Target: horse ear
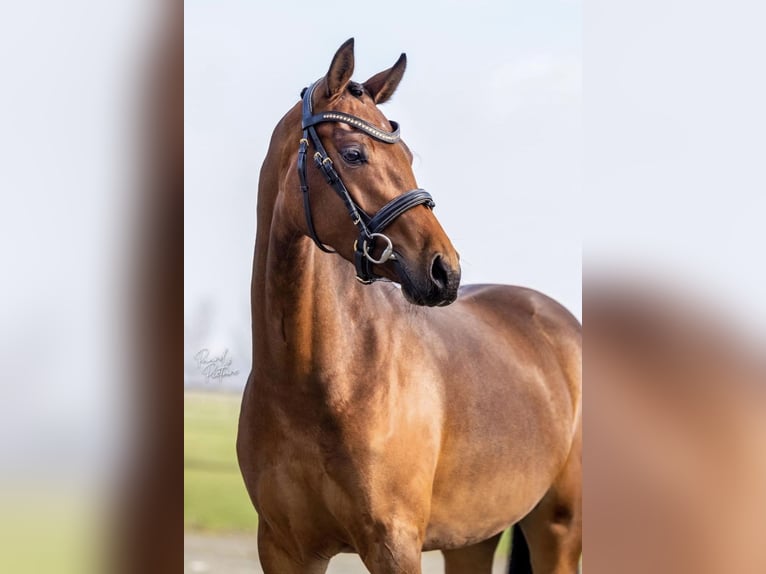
(341,69)
(383,85)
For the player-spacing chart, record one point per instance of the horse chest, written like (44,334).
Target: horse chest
(342,466)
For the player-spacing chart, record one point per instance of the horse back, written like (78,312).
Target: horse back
(524,330)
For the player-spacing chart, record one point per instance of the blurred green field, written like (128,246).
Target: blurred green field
(215,498)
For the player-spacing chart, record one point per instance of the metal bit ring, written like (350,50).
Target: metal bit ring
(388,252)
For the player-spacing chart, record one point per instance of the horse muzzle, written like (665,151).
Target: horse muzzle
(434,286)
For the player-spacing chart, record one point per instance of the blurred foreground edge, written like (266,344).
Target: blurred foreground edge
(675,426)
(149,520)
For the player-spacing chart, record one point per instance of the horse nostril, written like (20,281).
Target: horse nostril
(439,273)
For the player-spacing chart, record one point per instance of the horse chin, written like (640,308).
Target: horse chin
(413,296)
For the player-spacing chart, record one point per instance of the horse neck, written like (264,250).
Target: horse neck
(308,312)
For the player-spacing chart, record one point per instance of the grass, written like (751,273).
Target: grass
(50,527)
(215,498)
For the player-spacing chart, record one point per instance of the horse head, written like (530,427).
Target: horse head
(356,198)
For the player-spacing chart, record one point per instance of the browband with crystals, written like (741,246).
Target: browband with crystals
(358,123)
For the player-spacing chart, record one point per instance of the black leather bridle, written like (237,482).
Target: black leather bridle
(370,227)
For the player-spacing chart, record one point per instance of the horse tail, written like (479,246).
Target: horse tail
(519,562)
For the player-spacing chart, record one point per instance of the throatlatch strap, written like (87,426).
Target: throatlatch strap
(302,149)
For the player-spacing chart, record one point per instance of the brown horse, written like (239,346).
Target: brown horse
(382,421)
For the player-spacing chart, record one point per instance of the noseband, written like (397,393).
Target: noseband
(370,227)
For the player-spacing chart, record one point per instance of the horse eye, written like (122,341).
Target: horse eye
(353,155)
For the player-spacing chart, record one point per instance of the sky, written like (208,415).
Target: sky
(674,180)
(490,104)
